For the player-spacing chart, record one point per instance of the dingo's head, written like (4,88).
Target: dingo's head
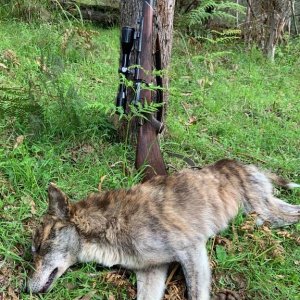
(55,244)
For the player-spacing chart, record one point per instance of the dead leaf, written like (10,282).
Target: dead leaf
(111,297)
(211,67)
(42,66)
(100,183)
(98,80)
(117,163)
(29,201)
(240,281)
(86,148)
(70,286)
(250,223)
(88,296)
(187,94)
(11,57)
(175,291)
(19,141)
(204,82)
(32,207)
(192,121)
(5,183)
(185,77)
(170,277)
(287,235)
(201,82)
(278,251)
(283,233)
(81,151)
(227,295)
(186,105)
(119,280)
(266,229)
(116,279)
(235,67)
(3,67)
(219,240)
(12,295)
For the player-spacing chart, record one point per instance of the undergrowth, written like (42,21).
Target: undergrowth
(57,90)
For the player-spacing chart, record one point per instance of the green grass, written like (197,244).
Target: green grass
(244,108)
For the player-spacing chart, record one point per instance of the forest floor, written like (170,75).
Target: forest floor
(57,91)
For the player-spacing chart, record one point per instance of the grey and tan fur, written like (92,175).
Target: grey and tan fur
(167,219)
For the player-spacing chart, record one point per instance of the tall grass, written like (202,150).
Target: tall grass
(27,10)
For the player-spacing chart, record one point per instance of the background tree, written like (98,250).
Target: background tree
(266,22)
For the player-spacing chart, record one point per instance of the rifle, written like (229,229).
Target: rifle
(137,42)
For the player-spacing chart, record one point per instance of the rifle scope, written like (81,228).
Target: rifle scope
(126,44)
(127,39)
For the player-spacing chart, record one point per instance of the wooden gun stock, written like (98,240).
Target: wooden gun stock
(148,152)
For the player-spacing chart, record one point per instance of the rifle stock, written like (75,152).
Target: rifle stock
(148,152)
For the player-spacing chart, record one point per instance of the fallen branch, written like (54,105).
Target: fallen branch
(101,14)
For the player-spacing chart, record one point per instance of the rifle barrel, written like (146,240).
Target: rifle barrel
(150,2)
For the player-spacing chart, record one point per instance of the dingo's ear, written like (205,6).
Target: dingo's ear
(58,202)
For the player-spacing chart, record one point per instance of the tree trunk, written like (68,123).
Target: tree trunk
(164,13)
(265,23)
(293,16)
(163,29)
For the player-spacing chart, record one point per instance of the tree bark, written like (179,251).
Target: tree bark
(163,29)
(294,18)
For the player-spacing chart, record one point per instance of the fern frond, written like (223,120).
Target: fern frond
(227,32)
(232,6)
(16,102)
(210,9)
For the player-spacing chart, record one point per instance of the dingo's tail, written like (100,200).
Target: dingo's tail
(268,207)
(280,181)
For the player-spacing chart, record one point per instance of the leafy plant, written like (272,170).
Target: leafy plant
(212,10)
(77,43)
(199,21)
(211,60)
(219,37)
(61,101)
(19,102)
